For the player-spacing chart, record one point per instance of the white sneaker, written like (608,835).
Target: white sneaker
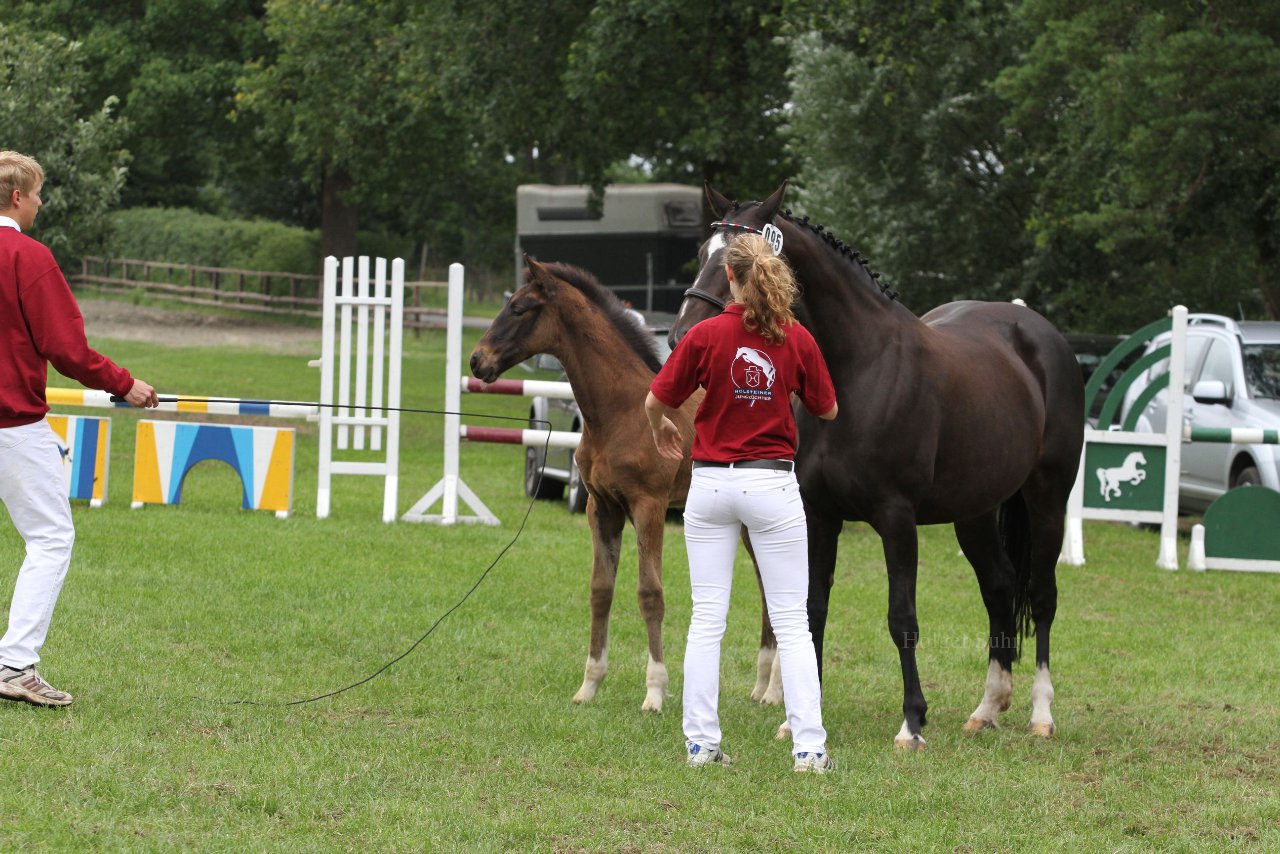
(29,686)
(813,762)
(700,756)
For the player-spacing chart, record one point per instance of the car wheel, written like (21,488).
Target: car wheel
(536,484)
(1247,476)
(577,491)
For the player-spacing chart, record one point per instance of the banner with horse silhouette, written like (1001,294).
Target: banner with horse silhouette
(1128,474)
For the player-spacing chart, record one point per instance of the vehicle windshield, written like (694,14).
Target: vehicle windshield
(1262,370)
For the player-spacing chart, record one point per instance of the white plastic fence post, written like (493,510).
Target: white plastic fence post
(330,285)
(379,333)
(362,347)
(391,490)
(1168,558)
(451,487)
(344,354)
(369,303)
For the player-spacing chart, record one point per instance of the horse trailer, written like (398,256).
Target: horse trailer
(641,243)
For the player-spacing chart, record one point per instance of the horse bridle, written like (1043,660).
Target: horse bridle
(703,295)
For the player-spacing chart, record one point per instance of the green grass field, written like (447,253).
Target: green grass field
(1167,708)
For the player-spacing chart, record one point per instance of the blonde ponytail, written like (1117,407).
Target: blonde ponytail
(766,284)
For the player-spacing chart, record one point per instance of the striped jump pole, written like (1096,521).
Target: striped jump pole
(185,403)
(1231,435)
(518,388)
(514,436)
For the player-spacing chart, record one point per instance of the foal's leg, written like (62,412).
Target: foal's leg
(897,530)
(980,541)
(606,520)
(768,688)
(649,518)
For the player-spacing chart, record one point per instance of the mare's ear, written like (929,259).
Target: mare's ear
(769,207)
(719,204)
(538,276)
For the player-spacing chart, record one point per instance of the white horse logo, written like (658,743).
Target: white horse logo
(1110,479)
(756,361)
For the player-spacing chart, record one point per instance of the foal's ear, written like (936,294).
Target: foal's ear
(769,207)
(539,277)
(719,204)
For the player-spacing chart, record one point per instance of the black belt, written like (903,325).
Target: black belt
(775,465)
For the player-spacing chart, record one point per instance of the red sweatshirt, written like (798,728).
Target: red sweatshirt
(40,323)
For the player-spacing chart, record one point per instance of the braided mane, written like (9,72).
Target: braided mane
(842,248)
(837,244)
(635,335)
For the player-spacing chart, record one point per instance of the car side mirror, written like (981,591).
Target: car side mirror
(1211,391)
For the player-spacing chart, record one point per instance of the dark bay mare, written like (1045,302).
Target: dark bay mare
(969,415)
(610,360)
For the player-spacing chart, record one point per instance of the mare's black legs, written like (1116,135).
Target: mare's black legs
(980,541)
(824,535)
(1047,524)
(901,554)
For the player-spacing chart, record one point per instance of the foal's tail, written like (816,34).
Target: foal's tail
(1015,536)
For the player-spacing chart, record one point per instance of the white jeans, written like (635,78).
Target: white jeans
(33,489)
(720,502)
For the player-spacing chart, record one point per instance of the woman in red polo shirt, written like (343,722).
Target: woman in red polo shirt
(751,359)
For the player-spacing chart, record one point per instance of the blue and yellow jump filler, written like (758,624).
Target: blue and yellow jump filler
(83,443)
(261,456)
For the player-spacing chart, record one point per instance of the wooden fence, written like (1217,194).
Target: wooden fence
(255,291)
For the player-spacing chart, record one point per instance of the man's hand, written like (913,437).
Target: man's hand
(142,395)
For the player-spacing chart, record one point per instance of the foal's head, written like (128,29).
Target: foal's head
(551,312)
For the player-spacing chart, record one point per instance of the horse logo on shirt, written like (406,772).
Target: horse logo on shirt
(752,374)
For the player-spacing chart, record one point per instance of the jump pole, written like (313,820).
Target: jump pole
(189,403)
(514,436)
(519,388)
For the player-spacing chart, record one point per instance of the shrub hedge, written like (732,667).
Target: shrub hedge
(185,236)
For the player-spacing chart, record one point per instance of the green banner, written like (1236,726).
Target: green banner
(1242,525)
(1124,477)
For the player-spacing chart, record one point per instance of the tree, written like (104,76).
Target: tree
(696,90)
(900,142)
(42,83)
(1153,135)
(498,68)
(324,96)
(173,91)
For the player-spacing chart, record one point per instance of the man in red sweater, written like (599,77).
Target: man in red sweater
(40,323)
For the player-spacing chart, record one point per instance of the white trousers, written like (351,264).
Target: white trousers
(720,502)
(33,489)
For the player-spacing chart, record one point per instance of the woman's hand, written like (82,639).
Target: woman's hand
(666,436)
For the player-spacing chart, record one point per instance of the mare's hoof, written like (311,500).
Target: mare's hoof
(651,705)
(1044,730)
(784,732)
(914,744)
(979,724)
(771,698)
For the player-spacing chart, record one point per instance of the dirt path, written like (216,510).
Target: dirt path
(177,327)
(180,327)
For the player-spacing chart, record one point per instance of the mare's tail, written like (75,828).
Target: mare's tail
(1015,536)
